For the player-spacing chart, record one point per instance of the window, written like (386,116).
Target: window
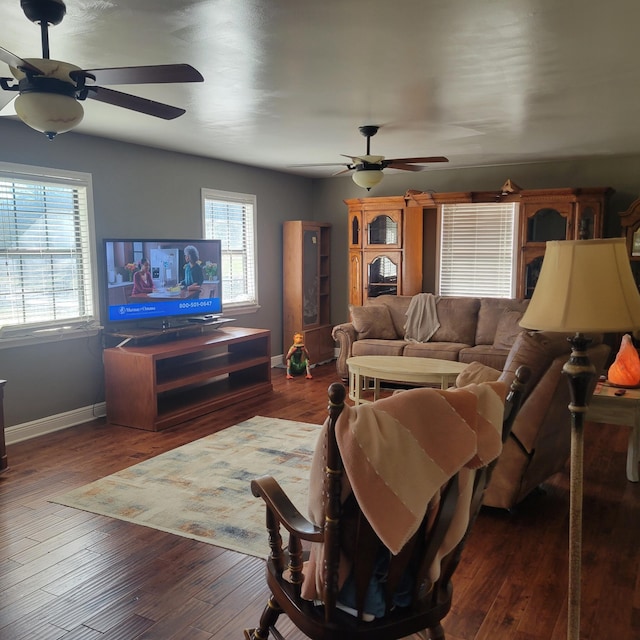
(477,250)
(230,217)
(46,240)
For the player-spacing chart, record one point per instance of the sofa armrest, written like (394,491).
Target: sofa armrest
(345,335)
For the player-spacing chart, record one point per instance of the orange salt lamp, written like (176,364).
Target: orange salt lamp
(625,370)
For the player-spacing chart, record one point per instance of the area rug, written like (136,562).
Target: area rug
(201,490)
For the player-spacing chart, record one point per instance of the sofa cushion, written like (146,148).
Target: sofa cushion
(458,318)
(378,347)
(373,322)
(508,329)
(486,354)
(491,310)
(439,350)
(398,306)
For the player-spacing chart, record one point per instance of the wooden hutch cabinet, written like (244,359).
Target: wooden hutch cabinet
(307,293)
(385,248)
(630,222)
(554,214)
(543,214)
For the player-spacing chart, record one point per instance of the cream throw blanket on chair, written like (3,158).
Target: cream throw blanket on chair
(422,318)
(398,453)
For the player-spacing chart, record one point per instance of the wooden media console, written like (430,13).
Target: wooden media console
(158,385)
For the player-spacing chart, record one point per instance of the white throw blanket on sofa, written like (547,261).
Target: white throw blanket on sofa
(422,318)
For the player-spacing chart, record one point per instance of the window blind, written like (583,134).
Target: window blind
(477,249)
(230,217)
(45,251)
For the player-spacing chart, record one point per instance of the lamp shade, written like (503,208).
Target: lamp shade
(367,178)
(585,286)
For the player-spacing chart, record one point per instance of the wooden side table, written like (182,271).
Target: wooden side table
(608,408)
(3,448)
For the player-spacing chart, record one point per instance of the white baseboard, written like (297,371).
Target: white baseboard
(35,428)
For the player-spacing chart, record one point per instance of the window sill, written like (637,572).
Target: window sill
(239,309)
(17,338)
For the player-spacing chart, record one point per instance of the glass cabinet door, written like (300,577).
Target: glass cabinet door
(635,244)
(540,223)
(382,277)
(310,261)
(355,231)
(532,273)
(546,224)
(586,224)
(383,229)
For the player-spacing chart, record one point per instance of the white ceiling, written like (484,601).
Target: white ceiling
(289,81)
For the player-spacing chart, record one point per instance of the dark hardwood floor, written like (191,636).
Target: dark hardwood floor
(74,575)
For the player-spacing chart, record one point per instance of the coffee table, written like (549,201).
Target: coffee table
(608,408)
(403,369)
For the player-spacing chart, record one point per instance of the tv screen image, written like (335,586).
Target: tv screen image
(162,279)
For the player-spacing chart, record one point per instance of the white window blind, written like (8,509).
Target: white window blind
(230,217)
(45,249)
(477,249)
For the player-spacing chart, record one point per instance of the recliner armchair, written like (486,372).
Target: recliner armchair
(539,443)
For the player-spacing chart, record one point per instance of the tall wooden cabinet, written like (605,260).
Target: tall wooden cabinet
(385,248)
(307,293)
(399,254)
(554,214)
(630,222)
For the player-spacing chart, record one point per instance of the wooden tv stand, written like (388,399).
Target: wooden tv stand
(158,385)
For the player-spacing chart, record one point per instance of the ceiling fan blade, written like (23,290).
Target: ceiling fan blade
(9,109)
(403,166)
(17,63)
(347,170)
(321,164)
(154,74)
(425,160)
(135,103)
(365,159)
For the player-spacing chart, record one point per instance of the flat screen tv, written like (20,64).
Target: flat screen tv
(162,283)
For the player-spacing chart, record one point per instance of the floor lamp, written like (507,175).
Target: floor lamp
(585,286)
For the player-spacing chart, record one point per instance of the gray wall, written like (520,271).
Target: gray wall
(139,191)
(142,191)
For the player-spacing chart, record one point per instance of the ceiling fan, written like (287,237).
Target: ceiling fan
(50,91)
(368,169)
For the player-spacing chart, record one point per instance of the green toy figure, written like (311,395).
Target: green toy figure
(298,358)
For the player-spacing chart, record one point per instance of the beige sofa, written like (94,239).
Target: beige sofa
(471,330)
(539,443)
(486,333)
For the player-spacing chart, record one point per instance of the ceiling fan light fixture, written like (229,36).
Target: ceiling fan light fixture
(367,177)
(50,89)
(49,113)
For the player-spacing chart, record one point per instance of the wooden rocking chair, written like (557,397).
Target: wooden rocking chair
(345,529)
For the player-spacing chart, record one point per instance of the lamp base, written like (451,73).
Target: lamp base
(580,373)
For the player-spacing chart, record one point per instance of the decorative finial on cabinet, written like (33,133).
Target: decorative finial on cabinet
(510,187)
